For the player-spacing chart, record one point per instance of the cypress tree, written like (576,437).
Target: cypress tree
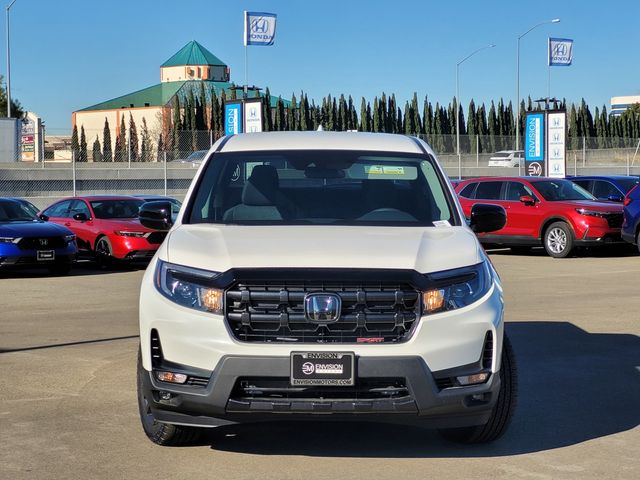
(493,128)
(83,146)
(201,102)
(574,130)
(409,125)
(343,122)
(427,117)
(353,115)
(176,126)
(376,116)
(145,142)
(415,113)
(392,113)
(384,114)
(121,147)
(133,139)
(364,125)
(472,128)
(280,119)
(96,152)
(266,111)
(160,152)
(75,145)
(292,114)
(214,118)
(107,154)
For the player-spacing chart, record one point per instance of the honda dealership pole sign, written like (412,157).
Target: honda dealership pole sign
(534,147)
(560,52)
(556,143)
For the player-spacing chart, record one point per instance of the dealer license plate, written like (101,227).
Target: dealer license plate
(323,368)
(46,255)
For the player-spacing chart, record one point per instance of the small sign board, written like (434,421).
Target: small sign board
(233,117)
(534,148)
(556,143)
(253,115)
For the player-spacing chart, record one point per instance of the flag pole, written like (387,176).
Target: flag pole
(549,67)
(246,58)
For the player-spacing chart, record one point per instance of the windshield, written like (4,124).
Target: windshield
(559,190)
(116,208)
(15,212)
(322,187)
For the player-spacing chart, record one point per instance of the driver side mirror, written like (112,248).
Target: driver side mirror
(43,217)
(80,217)
(487,218)
(156,215)
(528,200)
(615,198)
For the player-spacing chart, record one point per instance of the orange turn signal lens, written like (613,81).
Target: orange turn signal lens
(211,299)
(171,377)
(433,300)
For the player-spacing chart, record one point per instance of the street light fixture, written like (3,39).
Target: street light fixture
(9,64)
(517,105)
(458,106)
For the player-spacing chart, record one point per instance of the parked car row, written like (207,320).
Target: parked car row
(558,214)
(105,228)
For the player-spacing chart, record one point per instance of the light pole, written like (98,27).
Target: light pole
(517,105)
(9,64)
(458,106)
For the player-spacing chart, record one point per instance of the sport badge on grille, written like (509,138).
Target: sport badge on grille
(322,307)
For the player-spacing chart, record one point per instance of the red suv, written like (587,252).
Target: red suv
(106,227)
(553,212)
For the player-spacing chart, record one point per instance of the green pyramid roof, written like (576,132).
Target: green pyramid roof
(193,54)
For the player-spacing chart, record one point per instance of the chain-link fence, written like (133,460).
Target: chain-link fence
(170,171)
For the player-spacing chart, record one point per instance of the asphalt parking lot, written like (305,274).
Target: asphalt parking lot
(68,408)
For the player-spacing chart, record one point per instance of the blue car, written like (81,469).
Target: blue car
(25,240)
(631,222)
(607,187)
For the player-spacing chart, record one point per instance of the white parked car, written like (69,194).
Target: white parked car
(507,158)
(323,275)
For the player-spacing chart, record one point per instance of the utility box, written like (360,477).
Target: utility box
(10,131)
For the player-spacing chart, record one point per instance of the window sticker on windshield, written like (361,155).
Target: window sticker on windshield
(373,169)
(441,223)
(383,170)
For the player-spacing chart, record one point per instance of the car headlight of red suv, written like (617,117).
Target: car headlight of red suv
(126,233)
(592,213)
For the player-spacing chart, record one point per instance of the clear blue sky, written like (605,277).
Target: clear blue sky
(67,55)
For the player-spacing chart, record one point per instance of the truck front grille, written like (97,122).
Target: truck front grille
(274,312)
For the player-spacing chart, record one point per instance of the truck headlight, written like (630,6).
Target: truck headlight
(189,287)
(457,288)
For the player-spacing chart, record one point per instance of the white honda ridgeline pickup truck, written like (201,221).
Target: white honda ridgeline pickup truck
(323,275)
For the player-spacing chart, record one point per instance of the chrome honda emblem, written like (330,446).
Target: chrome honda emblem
(322,307)
(43,242)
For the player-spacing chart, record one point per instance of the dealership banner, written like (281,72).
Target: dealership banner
(253,115)
(233,117)
(259,28)
(560,52)
(534,144)
(556,144)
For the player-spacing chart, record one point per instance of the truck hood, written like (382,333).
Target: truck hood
(222,247)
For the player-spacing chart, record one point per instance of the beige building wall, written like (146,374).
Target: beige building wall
(93,122)
(184,72)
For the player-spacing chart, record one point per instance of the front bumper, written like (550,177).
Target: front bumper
(426,404)
(132,248)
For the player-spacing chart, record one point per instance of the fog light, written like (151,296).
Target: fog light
(473,379)
(171,377)
(165,396)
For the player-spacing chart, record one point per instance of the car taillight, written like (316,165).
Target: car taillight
(627,200)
